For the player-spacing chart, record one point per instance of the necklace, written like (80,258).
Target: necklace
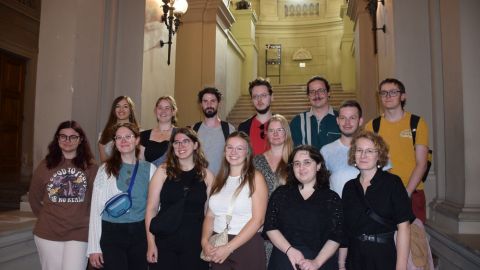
(164,130)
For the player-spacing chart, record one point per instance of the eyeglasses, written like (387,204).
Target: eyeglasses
(369,152)
(306,163)
(260,96)
(392,93)
(276,130)
(230,148)
(320,91)
(71,138)
(183,142)
(262,131)
(128,137)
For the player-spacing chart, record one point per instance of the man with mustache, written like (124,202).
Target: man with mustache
(317,126)
(256,127)
(212,131)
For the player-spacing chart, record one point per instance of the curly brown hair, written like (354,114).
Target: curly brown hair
(380,145)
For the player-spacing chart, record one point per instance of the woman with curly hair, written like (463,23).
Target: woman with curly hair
(304,218)
(375,205)
(60,194)
(237,203)
(122,111)
(119,241)
(185,177)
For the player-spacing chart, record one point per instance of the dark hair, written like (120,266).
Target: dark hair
(318,78)
(351,103)
(323,175)
(380,145)
(199,160)
(107,133)
(173,104)
(248,170)
(257,82)
(398,83)
(114,162)
(84,156)
(209,90)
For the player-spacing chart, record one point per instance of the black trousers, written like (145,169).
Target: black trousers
(124,245)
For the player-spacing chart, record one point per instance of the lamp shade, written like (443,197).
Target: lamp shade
(180,6)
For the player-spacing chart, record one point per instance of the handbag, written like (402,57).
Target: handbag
(168,220)
(121,203)
(221,239)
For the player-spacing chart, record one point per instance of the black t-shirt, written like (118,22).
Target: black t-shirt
(386,195)
(309,222)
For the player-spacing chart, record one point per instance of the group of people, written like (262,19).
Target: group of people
(319,192)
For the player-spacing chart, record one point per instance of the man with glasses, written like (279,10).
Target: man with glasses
(408,146)
(317,126)
(212,131)
(256,127)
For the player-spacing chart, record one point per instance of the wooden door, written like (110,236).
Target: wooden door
(12,81)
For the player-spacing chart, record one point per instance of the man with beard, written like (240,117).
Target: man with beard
(212,132)
(318,126)
(349,120)
(256,127)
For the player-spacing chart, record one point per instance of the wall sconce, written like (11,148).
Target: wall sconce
(172,12)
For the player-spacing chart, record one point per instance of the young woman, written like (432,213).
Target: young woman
(272,164)
(154,142)
(186,178)
(370,243)
(59,195)
(239,191)
(120,242)
(304,218)
(122,111)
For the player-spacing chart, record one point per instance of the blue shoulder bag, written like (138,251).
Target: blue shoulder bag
(119,204)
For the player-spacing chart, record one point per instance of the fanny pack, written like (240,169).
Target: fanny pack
(119,204)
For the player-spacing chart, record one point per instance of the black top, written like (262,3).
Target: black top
(153,150)
(386,195)
(173,191)
(309,222)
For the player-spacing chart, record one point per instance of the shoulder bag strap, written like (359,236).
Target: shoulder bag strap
(228,217)
(379,219)
(132,179)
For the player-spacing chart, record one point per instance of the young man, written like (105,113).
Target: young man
(349,120)
(212,132)
(409,161)
(262,96)
(318,126)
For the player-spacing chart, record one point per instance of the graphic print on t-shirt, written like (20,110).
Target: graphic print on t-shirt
(67,185)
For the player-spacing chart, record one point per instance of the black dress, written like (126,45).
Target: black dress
(388,198)
(155,152)
(306,224)
(181,250)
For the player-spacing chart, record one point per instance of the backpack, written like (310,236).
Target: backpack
(414,119)
(225,128)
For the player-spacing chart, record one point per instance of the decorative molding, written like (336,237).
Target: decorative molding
(301,55)
(302,10)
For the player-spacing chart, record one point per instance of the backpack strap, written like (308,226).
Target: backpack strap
(376,124)
(197,125)
(414,119)
(225,129)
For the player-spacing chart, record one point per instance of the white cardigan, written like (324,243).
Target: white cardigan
(104,188)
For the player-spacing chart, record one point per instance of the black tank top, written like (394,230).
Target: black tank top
(191,183)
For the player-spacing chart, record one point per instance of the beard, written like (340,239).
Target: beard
(209,112)
(264,111)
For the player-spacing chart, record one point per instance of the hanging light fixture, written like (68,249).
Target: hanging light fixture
(172,12)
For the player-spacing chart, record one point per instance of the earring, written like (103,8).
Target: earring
(355,165)
(378,166)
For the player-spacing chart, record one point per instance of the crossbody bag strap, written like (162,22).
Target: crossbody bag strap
(132,179)
(228,217)
(371,213)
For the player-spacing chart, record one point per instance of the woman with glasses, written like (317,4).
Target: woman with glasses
(60,194)
(237,203)
(272,164)
(120,241)
(122,111)
(304,218)
(154,142)
(375,205)
(186,178)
